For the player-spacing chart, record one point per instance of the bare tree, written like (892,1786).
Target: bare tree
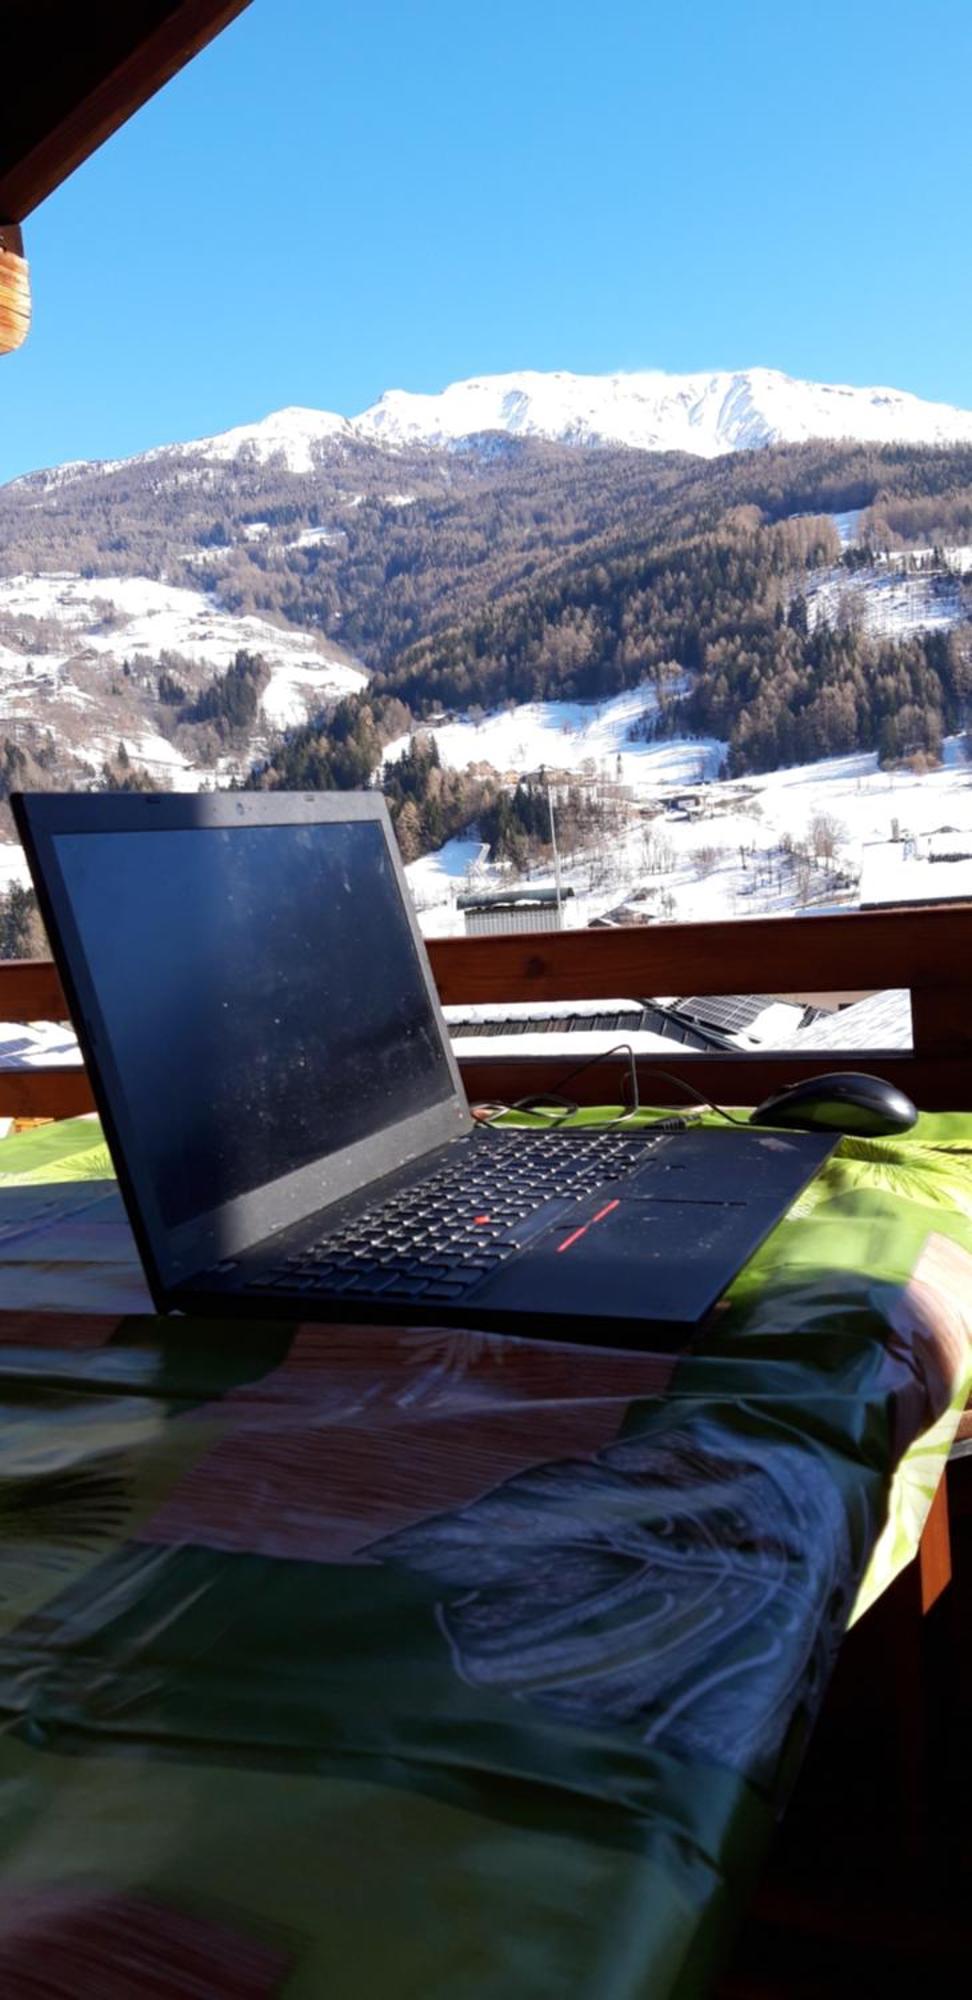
(825,835)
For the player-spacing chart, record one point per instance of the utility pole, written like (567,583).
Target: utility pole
(556,857)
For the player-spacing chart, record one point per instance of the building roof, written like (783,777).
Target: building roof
(689,1025)
(75,71)
(32,1045)
(882,1021)
(512,899)
(931,870)
(643,1023)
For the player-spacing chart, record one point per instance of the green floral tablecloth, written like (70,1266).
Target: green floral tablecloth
(376,1662)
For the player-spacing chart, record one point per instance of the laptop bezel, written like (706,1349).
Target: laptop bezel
(174,1257)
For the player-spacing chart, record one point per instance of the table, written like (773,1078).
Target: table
(410,1662)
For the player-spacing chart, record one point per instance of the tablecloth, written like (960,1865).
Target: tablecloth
(420,1663)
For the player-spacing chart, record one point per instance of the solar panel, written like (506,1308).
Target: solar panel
(730,1013)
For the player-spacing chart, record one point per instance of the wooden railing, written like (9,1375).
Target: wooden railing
(928,951)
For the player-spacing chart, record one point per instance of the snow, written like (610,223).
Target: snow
(295,435)
(36,1045)
(580,1044)
(726,865)
(435,879)
(536,1010)
(706,413)
(146,618)
(882,1021)
(848,526)
(13,866)
(924,870)
(567,735)
(309,537)
(152,753)
(957,559)
(885,602)
(296,690)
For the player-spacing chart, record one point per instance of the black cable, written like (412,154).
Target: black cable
(567,1108)
(604,1055)
(698,1096)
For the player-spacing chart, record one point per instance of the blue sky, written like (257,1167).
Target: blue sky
(342,196)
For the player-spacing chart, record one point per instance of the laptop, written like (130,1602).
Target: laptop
(263,1036)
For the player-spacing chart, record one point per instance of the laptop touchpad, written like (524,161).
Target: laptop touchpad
(641,1256)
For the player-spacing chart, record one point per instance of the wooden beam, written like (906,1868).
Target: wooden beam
(935,1550)
(30,990)
(869,948)
(941,1019)
(148,63)
(935,1083)
(62,1092)
(929,951)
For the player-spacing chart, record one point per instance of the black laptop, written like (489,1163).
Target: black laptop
(257,1012)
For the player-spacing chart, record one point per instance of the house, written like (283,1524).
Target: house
(488,912)
(924,868)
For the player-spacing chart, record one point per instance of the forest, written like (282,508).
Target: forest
(518,571)
(716,618)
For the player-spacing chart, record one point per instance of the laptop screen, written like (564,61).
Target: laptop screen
(261,995)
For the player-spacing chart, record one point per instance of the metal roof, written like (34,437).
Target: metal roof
(511,899)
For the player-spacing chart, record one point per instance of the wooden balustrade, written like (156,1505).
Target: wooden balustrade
(928,951)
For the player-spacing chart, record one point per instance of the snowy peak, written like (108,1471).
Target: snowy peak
(294,435)
(705,414)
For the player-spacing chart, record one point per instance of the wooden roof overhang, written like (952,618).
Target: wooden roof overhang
(74,73)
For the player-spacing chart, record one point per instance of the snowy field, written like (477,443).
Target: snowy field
(572,735)
(727,863)
(890,598)
(892,604)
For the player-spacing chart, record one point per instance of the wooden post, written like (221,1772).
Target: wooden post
(14,289)
(935,1551)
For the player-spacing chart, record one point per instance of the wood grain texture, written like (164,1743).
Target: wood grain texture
(56,1092)
(864,948)
(30,990)
(14,291)
(928,950)
(142,49)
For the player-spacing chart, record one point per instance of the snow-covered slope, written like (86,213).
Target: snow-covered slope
(732,858)
(707,414)
(296,435)
(79,662)
(574,736)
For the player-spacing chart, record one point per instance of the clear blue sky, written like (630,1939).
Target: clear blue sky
(342,196)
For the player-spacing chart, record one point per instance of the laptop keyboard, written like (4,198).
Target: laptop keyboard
(439,1238)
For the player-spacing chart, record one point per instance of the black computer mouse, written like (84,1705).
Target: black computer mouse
(847,1101)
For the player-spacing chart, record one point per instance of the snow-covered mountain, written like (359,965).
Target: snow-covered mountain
(706,415)
(296,434)
(79,675)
